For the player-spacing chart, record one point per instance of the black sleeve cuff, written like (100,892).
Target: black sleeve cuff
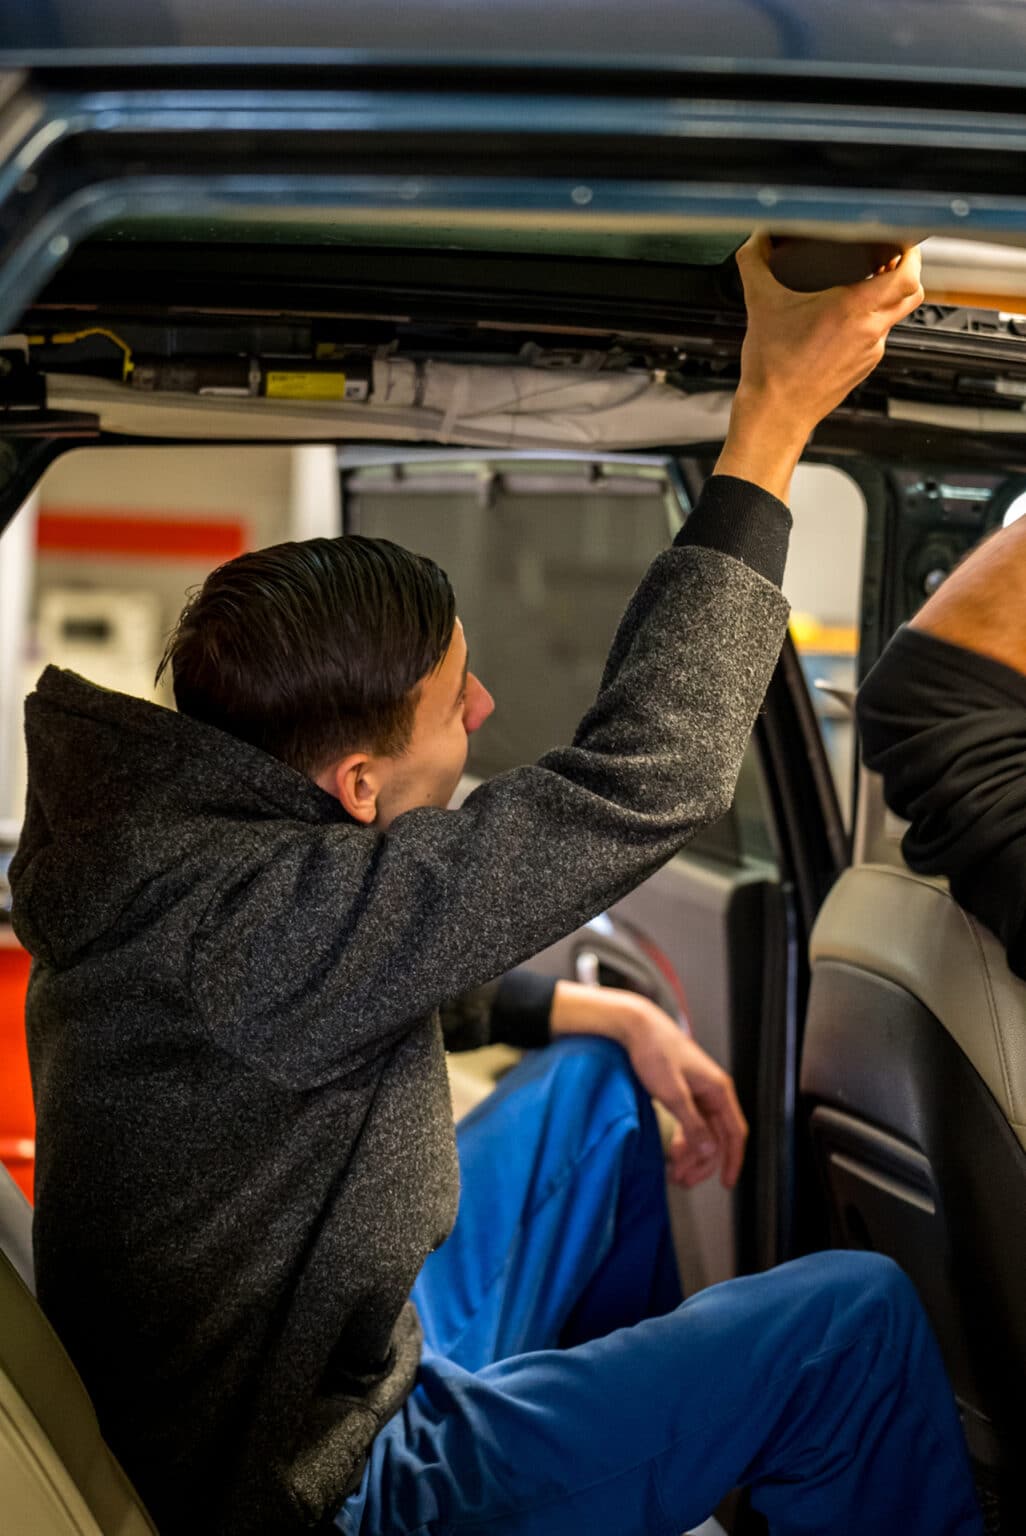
(467,1020)
(741,520)
(521,1009)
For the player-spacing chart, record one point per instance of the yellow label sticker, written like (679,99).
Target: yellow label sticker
(305,386)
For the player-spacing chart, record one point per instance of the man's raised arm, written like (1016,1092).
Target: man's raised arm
(390,923)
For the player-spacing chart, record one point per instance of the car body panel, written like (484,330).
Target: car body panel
(83,148)
(909,38)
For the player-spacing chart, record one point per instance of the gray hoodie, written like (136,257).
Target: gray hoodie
(245,1140)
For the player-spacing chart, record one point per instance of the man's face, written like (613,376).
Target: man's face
(451,704)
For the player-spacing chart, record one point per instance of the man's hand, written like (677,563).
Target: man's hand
(803,353)
(711,1129)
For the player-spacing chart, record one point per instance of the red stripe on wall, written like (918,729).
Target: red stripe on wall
(17,1117)
(66,530)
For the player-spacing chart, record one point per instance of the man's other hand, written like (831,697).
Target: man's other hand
(711,1128)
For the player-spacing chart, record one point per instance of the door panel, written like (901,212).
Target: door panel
(706,918)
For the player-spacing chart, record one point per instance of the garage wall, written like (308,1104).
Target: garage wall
(248,488)
(151,497)
(824,562)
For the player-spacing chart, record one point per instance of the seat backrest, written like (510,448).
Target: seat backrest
(914,1082)
(16,1228)
(57,1477)
(910,930)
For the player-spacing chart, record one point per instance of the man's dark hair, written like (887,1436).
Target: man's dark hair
(311,650)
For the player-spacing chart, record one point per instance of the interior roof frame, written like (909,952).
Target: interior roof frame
(75,158)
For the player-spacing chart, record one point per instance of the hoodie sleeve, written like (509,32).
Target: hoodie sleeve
(946,729)
(332,947)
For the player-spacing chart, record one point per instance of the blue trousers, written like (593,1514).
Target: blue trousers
(565,1389)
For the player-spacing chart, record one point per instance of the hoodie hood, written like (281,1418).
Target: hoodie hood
(122,794)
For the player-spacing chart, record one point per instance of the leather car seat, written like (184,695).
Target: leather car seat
(57,1477)
(914,1080)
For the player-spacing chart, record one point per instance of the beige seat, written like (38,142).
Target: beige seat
(57,1477)
(907,928)
(914,1077)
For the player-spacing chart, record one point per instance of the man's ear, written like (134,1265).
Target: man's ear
(356,782)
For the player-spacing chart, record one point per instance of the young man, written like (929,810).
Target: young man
(244,917)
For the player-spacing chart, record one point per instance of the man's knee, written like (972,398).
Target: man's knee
(865,1294)
(587,1054)
(872,1277)
(592,1066)
(589,1080)
(597,1073)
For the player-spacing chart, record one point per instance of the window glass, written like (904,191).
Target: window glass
(823,583)
(543,555)
(543,558)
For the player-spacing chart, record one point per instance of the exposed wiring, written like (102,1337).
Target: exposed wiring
(65,338)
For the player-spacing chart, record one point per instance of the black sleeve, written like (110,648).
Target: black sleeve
(514,1010)
(741,520)
(946,729)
